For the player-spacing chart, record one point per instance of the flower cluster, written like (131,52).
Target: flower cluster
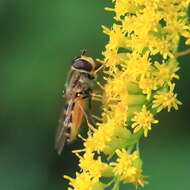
(128,167)
(140,68)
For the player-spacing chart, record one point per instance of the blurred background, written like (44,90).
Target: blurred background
(38,40)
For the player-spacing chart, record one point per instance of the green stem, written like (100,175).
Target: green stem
(182,53)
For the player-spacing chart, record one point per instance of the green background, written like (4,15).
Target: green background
(38,40)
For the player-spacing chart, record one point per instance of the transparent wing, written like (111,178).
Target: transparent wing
(64,126)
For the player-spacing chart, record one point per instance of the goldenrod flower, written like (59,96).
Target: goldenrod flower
(166,99)
(107,138)
(143,120)
(95,167)
(117,36)
(166,71)
(140,68)
(84,181)
(148,85)
(128,167)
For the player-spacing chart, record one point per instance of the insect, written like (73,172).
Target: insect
(78,90)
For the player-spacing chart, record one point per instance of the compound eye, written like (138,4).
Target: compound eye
(82,64)
(75,59)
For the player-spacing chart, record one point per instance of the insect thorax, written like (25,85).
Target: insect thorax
(79,82)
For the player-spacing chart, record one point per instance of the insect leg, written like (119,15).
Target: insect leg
(90,103)
(90,112)
(96,97)
(84,95)
(87,116)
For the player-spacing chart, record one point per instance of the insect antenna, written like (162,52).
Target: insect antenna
(84,51)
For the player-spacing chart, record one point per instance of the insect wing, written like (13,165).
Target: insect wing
(63,127)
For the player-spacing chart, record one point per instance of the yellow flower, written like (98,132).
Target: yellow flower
(143,120)
(165,99)
(128,167)
(166,71)
(148,85)
(117,36)
(97,140)
(84,181)
(107,137)
(95,167)
(140,65)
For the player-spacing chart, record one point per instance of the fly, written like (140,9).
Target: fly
(78,89)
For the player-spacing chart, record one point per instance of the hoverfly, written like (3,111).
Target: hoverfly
(78,89)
